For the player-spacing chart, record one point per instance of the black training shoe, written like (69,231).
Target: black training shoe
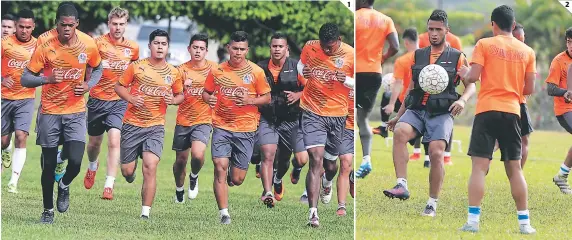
(225,219)
(47,217)
(144,217)
(131,178)
(179,196)
(295,175)
(63,201)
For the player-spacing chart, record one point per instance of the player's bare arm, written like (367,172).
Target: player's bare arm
(470,89)
(124,94)
(393,46)
(391,123)
(257,101)
(7,82)
(293,97)
(396,88)
(210,98)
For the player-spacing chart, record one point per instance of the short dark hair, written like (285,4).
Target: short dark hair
(569,33)
(503,16)
(439,15)
(411,34)
(159,33)
(239,36)
(518,27)
(26,13)
(279,35)
(329,32)
(8,16)
(200,37)
(67,10)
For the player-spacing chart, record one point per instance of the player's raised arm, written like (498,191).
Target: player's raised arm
(31,77)
(393,41)
(472,73)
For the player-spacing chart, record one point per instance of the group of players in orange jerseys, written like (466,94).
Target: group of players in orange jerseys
(506,68)
(306,106)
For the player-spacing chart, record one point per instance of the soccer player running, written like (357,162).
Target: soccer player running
(105,107)
(344,182)
(328,64)
(429,115)
(507,68)
(8,25)
(193,129)
(279,121)
(148,85)
(235,90)
(17,101)
(559,87)
(373,29)
(62,116)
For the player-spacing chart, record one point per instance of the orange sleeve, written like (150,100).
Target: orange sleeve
(37,61)
(177,86)
(127,76)
(304,54)
(554,73)
(135,53)
(531,66)
(423,40)
(399,71)
(390,27)
(95,58)
(260,83)
(479,54)
(301,80)
(209,83)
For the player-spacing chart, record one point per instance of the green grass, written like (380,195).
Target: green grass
(379,217)
(89,217)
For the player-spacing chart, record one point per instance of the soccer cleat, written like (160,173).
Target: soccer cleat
(447,160)
(278,190)
(225,219)
(304,198)
(6,159)
(415,157)
(325,193)
(429,211)
(352,190)
(382,131)
(47,217)
(131,178)
(562,183)
(399,192)
(63,201)
(89,178)
(257,170)
(364,170)
(527,229)
(144,217)
(193,187)
(268,200)
(60,167)
(470,227)
(12,188)
(314,220)
(426,164)
(107,193)
(180,196)
(341,211)
(295,176)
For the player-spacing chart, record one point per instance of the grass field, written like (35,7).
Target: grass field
(89,217)
(379,217)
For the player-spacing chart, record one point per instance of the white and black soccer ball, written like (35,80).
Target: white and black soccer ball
(386,81)
(433,79)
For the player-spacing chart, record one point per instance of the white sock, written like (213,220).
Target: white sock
(224,212)
(383,124)
(474,215)
(427,158)
(180,189)
(447,154)
(93,166)
(305,193)
(194,175)
(18,159)
(325,182)
(109,181)
(50,210)
(60,160)
(145,210)
(432,202)
(9,148)
(366,159)
(313,211)
(523,217)
(276,180)
(62,184)
(564,171)
(403,182)
(417,150)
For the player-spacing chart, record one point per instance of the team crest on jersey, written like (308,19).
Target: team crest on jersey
(168,80)
(339,62)
(247,79)
(127,52)
(82,58)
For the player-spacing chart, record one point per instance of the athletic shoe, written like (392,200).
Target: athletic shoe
(12,188)
(415,157)
(429,211)
(60,167)
(6,159)
(47,217)
(295,176)
(278,190)
(447,160)
(527,229)
(325,193)
(131,178)
(314,220)
(426,164)
(304,198)
(399,192)
(268,199)
(107,193)
(257,170)
(89,178)
(193,187)
(562,183)
(364,170)
(341,211)
(180,196)
(144,217)
(470,227)
(63,201)
(352,190)
(382,131)
(225,219)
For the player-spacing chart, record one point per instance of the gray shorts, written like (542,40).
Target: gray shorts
(184,136)
(286,134)
(565,121)
(347,146)
(323,131)
(104,115)
(136,140)
(17,115)
(431,128)
(237,146)
(53,130)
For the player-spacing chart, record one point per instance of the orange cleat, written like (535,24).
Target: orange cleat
(107,194)
(447,160)
(89,178)
(415,157)
(278,191)
(341,211)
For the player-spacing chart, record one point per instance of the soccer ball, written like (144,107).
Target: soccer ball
(386,81)
(433,79)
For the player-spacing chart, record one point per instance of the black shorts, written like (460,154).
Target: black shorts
(494,125)
(565,121)
(525,122)
(367,86)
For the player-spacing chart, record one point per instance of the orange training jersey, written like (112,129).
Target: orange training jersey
(71,62)
(350,119)
(372,27)
(194,110)
(227,83)
(152,83)
(454,41)
(323,94)
(558,75)
(402,70)
(15,57)
(116,57)
(505,61)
